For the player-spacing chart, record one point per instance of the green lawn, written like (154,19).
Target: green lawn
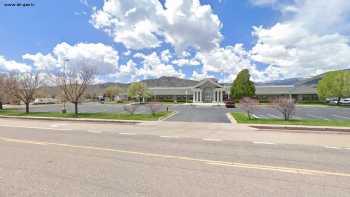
(242,118)
(109,116)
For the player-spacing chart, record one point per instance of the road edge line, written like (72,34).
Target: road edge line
(231,118)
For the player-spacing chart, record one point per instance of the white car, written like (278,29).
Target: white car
(331,100)
(345,101)
(40,101)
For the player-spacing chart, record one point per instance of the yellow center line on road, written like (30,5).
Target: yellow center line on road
(184,158)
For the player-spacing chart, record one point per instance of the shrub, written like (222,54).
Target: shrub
(130,108)
(286,106)
(249,105)
(154,107)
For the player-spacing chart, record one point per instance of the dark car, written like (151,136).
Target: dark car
(230,104)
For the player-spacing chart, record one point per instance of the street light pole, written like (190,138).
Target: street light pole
(64,72)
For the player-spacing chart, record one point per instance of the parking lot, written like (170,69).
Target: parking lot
(196,113)
(308,112)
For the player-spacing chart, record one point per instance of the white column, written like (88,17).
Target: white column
(199,96)
(221,96)
(215,96)
(218,99)
(194,97)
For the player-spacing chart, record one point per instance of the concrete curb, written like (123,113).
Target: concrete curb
(299,128)
(168,116)
(231,118)
(76,119)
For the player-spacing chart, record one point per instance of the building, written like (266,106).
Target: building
(211,91)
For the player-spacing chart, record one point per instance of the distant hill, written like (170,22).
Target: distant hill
(290,81)
(169,82)
(313,81)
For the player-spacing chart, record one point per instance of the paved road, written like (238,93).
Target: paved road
(58,162)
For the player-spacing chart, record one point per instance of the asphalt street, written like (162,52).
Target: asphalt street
(197,113)
(57,162)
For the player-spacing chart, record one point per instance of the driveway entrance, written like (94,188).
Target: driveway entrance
(195,113)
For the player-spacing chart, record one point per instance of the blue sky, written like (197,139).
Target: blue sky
(280,48)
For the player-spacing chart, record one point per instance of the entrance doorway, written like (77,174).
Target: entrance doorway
(208,95)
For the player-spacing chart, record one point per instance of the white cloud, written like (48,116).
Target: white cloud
(131,22)
(229,61)
(263,2)
(11,65)
(128,70)
(199,76)
(142,24)
(190,24)
(42,62)
(166,55)
(152,67)
(101,57)
(127,53)
(186,62)
(314,40)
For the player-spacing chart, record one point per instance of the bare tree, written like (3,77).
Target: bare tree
(3,91)
(130,108)
(249,105)
(154,107)
(23,86)
(286,106)
(74,84)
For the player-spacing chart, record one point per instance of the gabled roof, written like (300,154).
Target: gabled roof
(208,80)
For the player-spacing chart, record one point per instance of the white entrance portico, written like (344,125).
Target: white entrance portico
(208,91)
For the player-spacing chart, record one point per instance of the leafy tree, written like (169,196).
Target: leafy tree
(242,86)
(139,91)
(334,84)
(112,91)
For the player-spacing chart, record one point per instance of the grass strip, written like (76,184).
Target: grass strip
(109,116)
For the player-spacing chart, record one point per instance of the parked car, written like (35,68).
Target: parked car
(41,101)
(230,104)
(345,101)
(101,99)
(332,100)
